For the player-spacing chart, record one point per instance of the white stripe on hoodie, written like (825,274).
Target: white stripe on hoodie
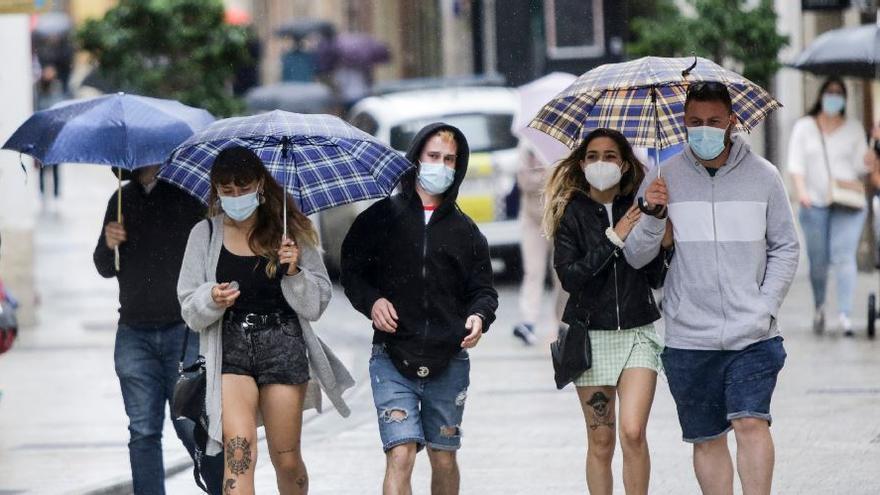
(736,250)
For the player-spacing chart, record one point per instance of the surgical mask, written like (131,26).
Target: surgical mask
(832,104)
(240,208)
(603,175)
(435,178)
(706,142)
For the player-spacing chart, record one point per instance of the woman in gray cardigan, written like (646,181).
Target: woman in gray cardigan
(252,294)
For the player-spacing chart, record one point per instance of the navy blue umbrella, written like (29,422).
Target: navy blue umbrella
(120,130)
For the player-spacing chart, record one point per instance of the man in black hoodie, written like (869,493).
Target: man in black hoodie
(419,268)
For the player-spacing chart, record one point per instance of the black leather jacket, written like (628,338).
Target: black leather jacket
(606,292)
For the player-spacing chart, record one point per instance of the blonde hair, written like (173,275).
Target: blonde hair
(447,136)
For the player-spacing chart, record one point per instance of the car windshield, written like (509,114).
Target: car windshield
(484,132)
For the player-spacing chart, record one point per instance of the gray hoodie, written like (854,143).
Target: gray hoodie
(736,250)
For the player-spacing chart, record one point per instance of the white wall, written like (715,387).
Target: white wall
(17,197)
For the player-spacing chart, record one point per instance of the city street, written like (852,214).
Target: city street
(63,428)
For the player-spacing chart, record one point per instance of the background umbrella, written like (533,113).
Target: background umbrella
(844,52)
(532,98)
(120,130)
(51,24)
(644,99)
(319,159)
(359,50)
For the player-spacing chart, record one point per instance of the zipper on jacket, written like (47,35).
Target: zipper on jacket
(424,287)
(718,264)
(616,292)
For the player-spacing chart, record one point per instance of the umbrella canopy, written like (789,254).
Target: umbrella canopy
(532,98)
(359,50)
(121,130)
(644,99)
(302,27)
(52,24)
(319,159)
(844,52)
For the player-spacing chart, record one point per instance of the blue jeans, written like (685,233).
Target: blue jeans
(832,237)
(713,388)
(146,360)
(424,411)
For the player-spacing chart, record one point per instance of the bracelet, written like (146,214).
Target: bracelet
(613,237)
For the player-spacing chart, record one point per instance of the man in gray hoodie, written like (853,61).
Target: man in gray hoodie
(736,253)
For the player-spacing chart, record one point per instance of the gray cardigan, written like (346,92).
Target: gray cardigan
(308,293)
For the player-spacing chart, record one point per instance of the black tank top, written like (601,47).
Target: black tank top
(259,293)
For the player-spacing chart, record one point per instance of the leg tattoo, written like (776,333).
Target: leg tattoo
(238,455)
(303,482)
(228,487)
(602,414)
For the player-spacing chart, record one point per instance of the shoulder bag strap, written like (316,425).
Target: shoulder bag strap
(825,155)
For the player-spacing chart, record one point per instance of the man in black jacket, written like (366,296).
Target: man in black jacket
(419,268)
(157,219)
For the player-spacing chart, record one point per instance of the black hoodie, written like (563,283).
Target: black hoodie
(435,275)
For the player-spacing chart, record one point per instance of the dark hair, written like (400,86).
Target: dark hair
(817,105)
(568,177)
(241,166)
(709,91)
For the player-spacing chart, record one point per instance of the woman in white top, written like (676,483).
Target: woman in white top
(831,233)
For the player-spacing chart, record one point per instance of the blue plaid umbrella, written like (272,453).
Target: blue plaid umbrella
(644,99)
(319,159)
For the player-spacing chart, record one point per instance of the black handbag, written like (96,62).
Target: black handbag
(571,353)
(412,365)
(189,391)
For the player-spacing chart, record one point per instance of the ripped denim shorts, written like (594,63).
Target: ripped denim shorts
(424,411)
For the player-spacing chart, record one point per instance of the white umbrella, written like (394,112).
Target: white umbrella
(532,98)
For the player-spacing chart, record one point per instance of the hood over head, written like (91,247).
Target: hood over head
(408,181)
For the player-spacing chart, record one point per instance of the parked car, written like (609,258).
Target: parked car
(488,194)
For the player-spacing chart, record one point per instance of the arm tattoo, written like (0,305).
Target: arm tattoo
(238,455)
(602,414)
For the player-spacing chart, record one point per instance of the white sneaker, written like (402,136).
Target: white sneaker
(846,325)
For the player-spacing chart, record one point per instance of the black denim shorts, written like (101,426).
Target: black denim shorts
(272,353)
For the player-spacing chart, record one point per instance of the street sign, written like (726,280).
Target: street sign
(25,6)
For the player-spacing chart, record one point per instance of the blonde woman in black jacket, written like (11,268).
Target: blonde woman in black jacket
(589,214)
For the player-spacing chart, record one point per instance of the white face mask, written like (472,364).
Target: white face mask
(603,175)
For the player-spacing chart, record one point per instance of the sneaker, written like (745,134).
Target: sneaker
(819,321)
(526,333)
(846,325)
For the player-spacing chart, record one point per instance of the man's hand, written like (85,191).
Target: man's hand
(657,194)
(114,234)
(223,295)
(668,239)
(475,325)
(625,225)
(384,315)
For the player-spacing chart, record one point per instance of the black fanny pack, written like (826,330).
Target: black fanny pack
(413,365)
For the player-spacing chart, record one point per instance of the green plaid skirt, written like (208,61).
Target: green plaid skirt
(616,350)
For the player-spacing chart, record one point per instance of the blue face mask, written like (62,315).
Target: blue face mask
(240,208)
(832,104)
(435,178)
(706,142)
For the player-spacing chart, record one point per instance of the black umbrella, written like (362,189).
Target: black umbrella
(300,28)
(844,52)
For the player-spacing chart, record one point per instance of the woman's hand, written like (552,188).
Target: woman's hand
(625,225)
(289,253)
(224,295)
